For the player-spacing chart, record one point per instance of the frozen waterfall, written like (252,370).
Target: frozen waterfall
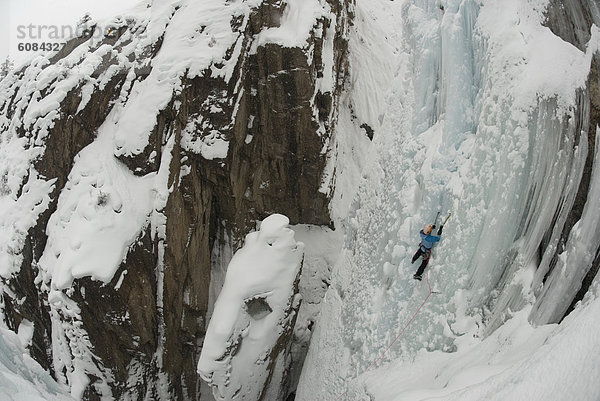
(487,118)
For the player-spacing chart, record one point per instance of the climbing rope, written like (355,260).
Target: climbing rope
(401,332)
(405,327)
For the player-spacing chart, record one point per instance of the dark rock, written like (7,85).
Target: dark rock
(369,131)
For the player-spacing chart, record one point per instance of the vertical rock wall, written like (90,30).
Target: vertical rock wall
(139,335)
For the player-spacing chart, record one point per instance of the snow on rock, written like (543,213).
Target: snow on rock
(211,146)
(73,354)
(195,37)
(361,106)
(295,25)
(88,137)
(247,339)
(102,210)
(19,213)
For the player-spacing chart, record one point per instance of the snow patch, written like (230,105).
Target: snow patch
(298,19)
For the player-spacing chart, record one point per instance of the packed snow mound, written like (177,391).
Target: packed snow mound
(22,378)
(256,307)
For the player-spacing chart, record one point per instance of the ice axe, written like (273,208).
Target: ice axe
(446,219)
(436,219)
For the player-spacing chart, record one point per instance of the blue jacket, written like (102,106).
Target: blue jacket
(427,241)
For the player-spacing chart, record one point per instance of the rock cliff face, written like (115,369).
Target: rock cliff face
(203,119)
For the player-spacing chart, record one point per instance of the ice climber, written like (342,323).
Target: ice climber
(428,240)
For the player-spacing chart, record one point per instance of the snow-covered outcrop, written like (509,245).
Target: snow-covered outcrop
(246,351)
(492,116)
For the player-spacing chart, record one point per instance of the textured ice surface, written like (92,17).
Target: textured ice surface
(21,377)
(517,362)
(480,120)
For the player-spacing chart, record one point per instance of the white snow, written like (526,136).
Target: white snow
(211,146)
(198,35)
(25,332)
(517,362)
(19,214)
(322,250)
(295,25)
(371,69)
(104,207)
